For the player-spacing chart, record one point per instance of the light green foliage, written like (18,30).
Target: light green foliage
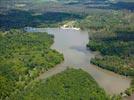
(102,20)
(23,56)
(69,85)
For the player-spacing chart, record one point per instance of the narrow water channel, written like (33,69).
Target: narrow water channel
(72,43)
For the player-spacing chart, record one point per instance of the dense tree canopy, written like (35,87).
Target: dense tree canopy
(112,34)
(23,56)
(21,19)
(71,84)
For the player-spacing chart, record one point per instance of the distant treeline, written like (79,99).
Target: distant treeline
(21,19)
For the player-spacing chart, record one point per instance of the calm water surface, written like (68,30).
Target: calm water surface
(72,43)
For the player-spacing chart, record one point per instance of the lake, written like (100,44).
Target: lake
(72,43)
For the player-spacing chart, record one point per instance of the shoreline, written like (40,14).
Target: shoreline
(73,28)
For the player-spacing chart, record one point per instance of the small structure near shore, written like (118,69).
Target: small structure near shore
(69,25)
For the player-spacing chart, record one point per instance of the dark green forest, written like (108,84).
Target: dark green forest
(112,35)
(20,19)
